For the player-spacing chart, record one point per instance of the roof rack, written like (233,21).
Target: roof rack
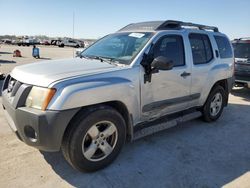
(165,25)
(241,40)
(172,24)
(244,38)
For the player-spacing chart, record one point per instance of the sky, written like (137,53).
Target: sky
(96,18)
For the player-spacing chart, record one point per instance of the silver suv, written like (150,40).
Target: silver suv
(142,79)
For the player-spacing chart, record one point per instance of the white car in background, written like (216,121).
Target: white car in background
(71,43)
(27,41)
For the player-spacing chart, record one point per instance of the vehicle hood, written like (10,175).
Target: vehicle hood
(44,73)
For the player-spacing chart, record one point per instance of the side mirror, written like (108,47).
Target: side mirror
(162,63)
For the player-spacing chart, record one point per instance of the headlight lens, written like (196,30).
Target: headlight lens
(39,97)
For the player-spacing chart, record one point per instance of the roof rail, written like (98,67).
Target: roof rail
(165,25)
(173,24)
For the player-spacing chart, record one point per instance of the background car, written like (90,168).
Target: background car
(6,41)
(27,41)
(45,42)
(71,43)
(242,61)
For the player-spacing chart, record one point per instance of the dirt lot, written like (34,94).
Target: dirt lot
(196,154)
(8,62)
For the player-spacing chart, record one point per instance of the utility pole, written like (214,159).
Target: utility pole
(73,36)
(73,24)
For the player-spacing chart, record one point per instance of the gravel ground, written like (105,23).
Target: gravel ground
(195,154)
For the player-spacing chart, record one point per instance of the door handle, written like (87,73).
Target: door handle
(217,53)
(185,74)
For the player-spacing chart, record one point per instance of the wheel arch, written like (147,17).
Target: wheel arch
(224,84)
(117,105)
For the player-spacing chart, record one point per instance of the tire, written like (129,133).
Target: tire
(61,45)
(83,146)
(214,105)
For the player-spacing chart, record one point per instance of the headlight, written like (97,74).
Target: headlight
(39,97)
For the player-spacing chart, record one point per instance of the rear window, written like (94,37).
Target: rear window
(241,50)
(224,47)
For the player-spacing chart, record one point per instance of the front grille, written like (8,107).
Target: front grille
(11,85)
(5,83)
(15,92)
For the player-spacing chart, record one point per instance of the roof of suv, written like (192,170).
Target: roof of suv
(242,40)
(165,25)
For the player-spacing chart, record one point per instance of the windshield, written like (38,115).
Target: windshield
(119,47)
(241,50)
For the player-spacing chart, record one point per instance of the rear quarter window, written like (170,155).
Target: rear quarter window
(224,47)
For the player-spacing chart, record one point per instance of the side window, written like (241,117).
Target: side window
(224,46)
(171,47)
(201,48)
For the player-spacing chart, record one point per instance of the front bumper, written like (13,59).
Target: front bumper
(242,79)
(243,83)
(41,129)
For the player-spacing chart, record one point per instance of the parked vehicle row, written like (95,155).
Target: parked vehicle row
(142,79)
(27,41)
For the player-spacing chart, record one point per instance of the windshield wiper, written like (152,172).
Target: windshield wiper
(85,57)
(111,61)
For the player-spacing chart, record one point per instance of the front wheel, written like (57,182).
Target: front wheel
(214,105)
(95,139)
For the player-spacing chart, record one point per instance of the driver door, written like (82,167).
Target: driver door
(169,90)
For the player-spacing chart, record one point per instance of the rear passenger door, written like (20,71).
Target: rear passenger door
(203,60)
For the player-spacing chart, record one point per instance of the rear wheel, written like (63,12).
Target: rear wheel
(214,105)
(95,139)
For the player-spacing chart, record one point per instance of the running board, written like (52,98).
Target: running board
(154,128)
